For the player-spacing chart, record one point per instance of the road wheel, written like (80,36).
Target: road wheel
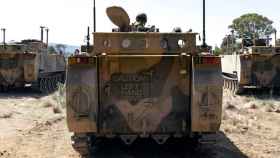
(83,144)
(239,90)
(55,82)
(43,85)
(52,84)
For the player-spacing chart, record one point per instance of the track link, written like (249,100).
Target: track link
(83,144)
(49,83)
(231,84)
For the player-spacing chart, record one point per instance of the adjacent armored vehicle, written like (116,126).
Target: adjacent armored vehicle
(252,67)
(142,84)
(28,62)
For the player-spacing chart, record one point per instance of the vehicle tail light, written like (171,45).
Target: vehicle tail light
(207,60)
(80,60)
(211,60)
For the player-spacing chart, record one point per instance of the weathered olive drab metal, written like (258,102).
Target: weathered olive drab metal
(27,62)
(144,88)
(258,68)
(142,84)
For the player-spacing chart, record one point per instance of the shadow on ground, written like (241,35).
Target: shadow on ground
(263,93)
(19,93)
(224,148)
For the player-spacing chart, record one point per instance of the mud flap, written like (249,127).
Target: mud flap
(207,94)
(82,98)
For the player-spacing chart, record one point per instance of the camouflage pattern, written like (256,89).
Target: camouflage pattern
(27,61)
(12,67)
(258,68)
(144,84)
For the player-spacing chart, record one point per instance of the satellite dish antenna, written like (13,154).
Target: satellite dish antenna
(119,17)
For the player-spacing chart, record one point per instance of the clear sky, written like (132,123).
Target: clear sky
(68,19)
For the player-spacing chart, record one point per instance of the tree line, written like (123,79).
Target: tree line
(249,28)
(57,49)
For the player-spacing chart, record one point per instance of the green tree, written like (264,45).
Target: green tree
(253,26)
(228,41)
(217,50)
(51,49)
(60,47)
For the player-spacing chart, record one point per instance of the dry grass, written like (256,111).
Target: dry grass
(60,95)
(230,106)
(6,114)
(47,103)
(241,113)
(265,103)
(57,109)
(56,101)
(252,105)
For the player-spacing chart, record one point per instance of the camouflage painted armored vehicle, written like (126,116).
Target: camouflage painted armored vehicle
(253,67)
(142,85)
(28,62)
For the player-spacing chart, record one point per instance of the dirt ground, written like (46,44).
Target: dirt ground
(31,126)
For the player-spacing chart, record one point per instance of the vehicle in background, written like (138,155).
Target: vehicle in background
(251,65)
(29,63)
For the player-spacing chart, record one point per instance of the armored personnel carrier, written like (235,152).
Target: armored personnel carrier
(252,67)
(137,85)
(29,63)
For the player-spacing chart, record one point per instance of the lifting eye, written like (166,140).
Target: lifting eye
(126,43)
(181,43)
(147,43)
(107,43)
(164,43)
